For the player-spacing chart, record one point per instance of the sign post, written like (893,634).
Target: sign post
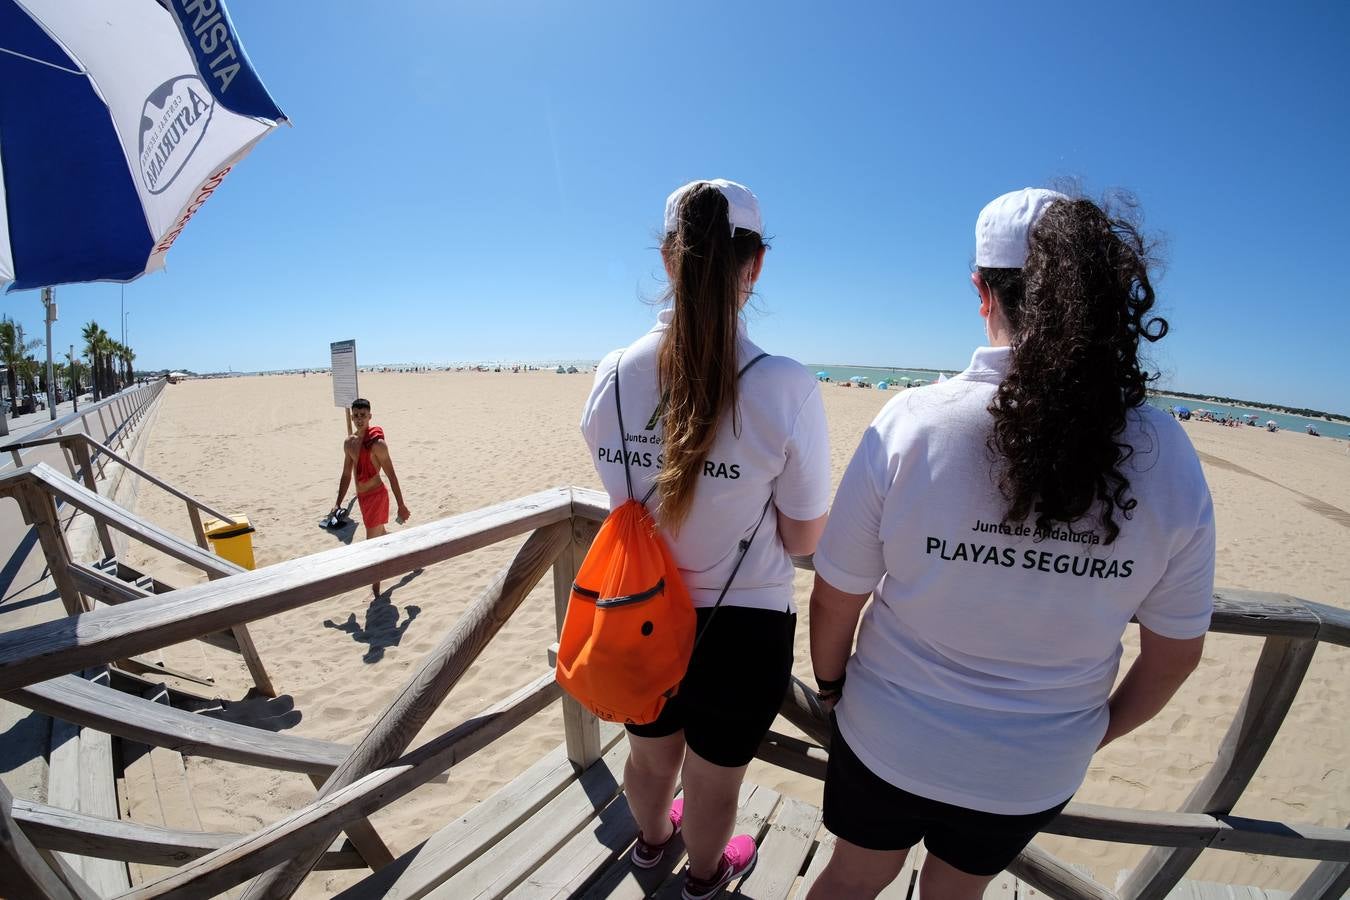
(344,376)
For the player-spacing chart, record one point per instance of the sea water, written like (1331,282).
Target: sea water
(1286,421)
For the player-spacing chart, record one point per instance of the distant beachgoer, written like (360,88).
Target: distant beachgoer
(1008,523)
(367,453)
(719,448)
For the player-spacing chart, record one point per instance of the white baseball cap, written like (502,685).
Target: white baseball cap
(1002,232)
(742,205)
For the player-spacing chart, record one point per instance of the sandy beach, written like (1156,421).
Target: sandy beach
(269,447)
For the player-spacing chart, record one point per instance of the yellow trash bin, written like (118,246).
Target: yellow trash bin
(231,540)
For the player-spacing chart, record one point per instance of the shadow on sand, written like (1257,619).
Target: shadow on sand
(382,628)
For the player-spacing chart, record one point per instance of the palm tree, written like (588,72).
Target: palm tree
(129,357)
(110,347)
(93,348)
(12,354)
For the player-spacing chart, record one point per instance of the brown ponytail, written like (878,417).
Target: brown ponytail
(697,362)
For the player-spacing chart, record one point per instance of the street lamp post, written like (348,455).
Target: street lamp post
(49,304)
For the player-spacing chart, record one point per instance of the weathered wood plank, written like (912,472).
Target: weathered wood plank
(1042,870)
(372,849)
(63,773)
(54,548)
(519,852)
(26,874)
(98,797)
(50,828)
(621,880)
(1261,613)
(782,851)
(600,841)
(1135,826)
(253,661)
(57,486)
(424,691)
(273,844)
(39,652)
(801,708)
(1329,881)
(820,856)
(581,728)
(1282,839)
(73,699)
(1003,887)
(463,840)
(1334,622)
(138,585)
(1275,681)
(81,451)
(589,504)
(752,817)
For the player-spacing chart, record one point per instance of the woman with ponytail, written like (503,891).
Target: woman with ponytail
(729,445)
(1009,523)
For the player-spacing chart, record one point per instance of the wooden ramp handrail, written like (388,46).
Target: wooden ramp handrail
(39,652)
(76,700)
(69,441)
(1292,629)
(104,510)
(52,828)
(273,844)
(142,397)
(425,689)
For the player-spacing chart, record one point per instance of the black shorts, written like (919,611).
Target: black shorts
(874,814)
(734,686)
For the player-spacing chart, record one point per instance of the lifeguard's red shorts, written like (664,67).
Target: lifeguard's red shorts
(374,507)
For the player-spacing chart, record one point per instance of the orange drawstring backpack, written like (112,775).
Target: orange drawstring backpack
(630,626)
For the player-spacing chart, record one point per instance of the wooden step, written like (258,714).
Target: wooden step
(509,861)
(623,881)
(445,853)
(81,779)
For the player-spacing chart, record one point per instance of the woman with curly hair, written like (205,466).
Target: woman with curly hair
(1009,523)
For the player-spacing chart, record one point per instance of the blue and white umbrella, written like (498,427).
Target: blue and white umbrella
(118,120)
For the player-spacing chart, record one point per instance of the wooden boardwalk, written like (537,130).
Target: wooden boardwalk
(562,828)
(550,836)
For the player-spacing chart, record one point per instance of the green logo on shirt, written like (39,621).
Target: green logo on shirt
(657,413)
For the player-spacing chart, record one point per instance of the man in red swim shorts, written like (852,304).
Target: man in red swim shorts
(367,453)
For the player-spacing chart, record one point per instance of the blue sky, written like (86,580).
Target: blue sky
(472,182)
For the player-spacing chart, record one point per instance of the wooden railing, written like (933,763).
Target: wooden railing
(109,420)
(560,525)
(83,453)
(39,489)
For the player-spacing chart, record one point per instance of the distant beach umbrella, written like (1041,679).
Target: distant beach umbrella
(118,120)
(821,376)
(859,379)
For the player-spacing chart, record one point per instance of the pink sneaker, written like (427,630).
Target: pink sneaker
(646,855)
(737,860)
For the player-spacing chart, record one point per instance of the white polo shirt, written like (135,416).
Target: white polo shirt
(984,663)
(782,448)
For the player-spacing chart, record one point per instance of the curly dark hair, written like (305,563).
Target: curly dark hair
(1077,312)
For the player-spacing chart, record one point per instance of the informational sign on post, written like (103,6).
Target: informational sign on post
(344,373)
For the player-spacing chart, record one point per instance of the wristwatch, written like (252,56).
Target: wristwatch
(827,689)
